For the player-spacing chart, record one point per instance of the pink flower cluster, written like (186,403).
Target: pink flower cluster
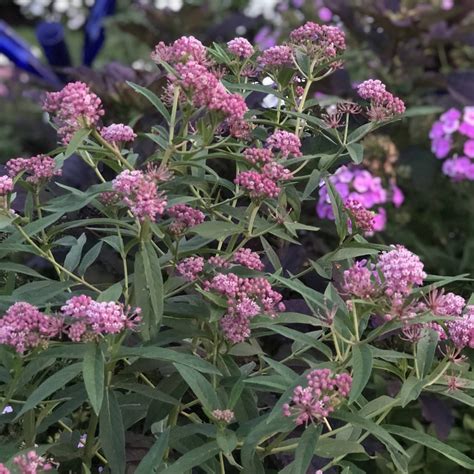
(205,90)
(363,218)
(91,318)
(227,416)
(286,143)
(31,463)
(190,268)
(240,47)
(358,184)
(321,41)
(118,132)
(25,327)
(6,185)
(185,217)
(402,271)
(276,56)
(249,259)
(140,193)
(72,108)
(259,185)
(454,133)
(186,48)
(383,104)
(461,330)
(246,298)
(258,156)
(324,392)
(358,281)
(39,168)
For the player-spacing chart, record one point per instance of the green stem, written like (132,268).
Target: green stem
(89,447)
(52,260)
(115,151)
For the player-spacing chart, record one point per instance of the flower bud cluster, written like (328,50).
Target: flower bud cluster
(325,391)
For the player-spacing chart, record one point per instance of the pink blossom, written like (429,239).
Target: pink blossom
(91,318)
(446,304)
(459,168)
(285,142)
(6,185)
(363,218)
(240,47)
(468,115)
(185,217)
(25,327)
(140,193)
(383,104)
(31,463)
(226,416)
(39,168)
(186,48)
(249,259)
(401,269)
(461,330)
(258,155)
(324,392)
(467,129)
(469,148)
(276,56)
(258,185)
(326,40)
(72,108)
(246,297)
(118,132)
(190,268)
(358,281)
(450,120)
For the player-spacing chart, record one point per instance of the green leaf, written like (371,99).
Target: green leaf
(270,254)
(362,362)
(422,110)
(154,457)
(195,457)
(305,450)
(356,152)
(19,268)
(410,390)
(373,428)
(148,289)
(74,255)
(112,293)
(93,373)
(153,99)
(37,226)
(337,209)
(169,355)
(312,184)
(200,386)
(425,350)
(76,141)
(217,229)
(360,133)
(112,433)
(50,385)
(227,441)
(89,258)
(432,443)
(333,448)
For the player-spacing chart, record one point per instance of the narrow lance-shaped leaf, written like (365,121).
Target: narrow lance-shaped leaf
(93,373)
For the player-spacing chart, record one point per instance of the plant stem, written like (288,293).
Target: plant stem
(90,437)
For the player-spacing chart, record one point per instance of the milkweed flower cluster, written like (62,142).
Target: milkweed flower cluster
(190,268)
(358,184)
(324,393)
(39,168)
(72,108)
(249,259)
(140,193)
(285,142)
(320,42)
(30,463)
(246,298)
(184,218)
(6,185)
(461,329)
(199,82)
(382,103)
(89,319)
(118,132)
(363,218)
(227,416)
(276,56)
(25,327)
(453,136)
(240,47)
